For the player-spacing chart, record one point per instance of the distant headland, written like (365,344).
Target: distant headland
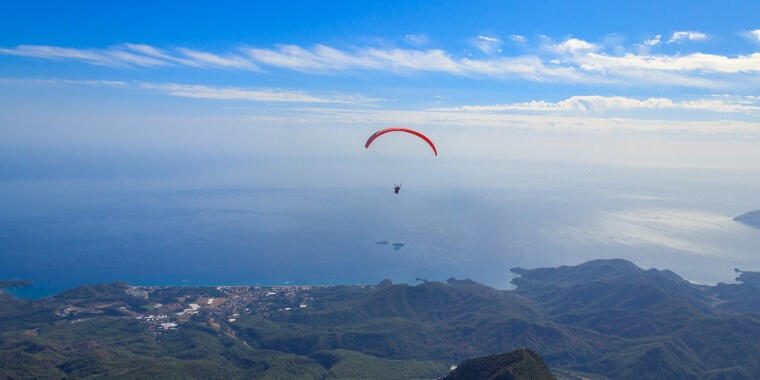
(751,218)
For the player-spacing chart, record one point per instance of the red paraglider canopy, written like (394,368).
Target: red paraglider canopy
(400,129)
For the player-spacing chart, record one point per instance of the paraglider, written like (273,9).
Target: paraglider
(397,188)
(401,129)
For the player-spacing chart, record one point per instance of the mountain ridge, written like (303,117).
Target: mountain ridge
(604,317)
(520,364)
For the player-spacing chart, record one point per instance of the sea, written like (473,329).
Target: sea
(62,233)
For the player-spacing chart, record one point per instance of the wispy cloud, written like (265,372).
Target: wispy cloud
(206,59)
(59,82)
(323,58)
(649,43)
(754,35)
(417,39)
(518,38)
(697,62)
(269,95)
(687,36)
(487,44)
(540,122)
(161,54)
(581,114)
(259,95)
(652,41)
(570,61)
(571,46)
(614,103)
(53,52)
(488,39)
(133,55)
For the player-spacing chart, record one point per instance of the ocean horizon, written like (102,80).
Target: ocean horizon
(203,235)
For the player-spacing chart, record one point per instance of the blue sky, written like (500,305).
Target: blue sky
(553,81)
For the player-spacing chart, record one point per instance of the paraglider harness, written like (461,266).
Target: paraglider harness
(397,189)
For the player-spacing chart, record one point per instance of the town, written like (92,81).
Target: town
(168,308)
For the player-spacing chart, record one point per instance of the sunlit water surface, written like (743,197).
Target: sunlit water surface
(65,233)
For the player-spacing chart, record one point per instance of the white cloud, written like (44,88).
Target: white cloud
(272,95)
(526,67)
(545,122)
(697,62)
(132,55)
(212,60)
(488,39)
(571,61)
(582,114)
(612,103)
(689,36)
(261,95)
(154,52)
(754,35)
(323,58)
(320,58)
(572,46)
(652,41)
(60,53)
(417,39)
(487,44)
(57,82)
(645,46)
(517,38)
(129,58)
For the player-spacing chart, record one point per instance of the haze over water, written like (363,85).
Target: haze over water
(234,231)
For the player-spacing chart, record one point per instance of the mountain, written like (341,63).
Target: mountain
(614,271)
(749,278)
(673,328)
(604,318)
(751,218)
(521,364)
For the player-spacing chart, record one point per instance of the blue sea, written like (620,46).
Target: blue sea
(68,232)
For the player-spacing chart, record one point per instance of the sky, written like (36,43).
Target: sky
(94,88)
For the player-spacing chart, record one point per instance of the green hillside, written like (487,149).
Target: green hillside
(522,364)
(605,318)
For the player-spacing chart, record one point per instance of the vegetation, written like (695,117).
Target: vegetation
(605,318)
(522,364)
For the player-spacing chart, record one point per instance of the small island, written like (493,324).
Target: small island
(751,218)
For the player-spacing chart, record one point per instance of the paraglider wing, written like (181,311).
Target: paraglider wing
(400,129)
